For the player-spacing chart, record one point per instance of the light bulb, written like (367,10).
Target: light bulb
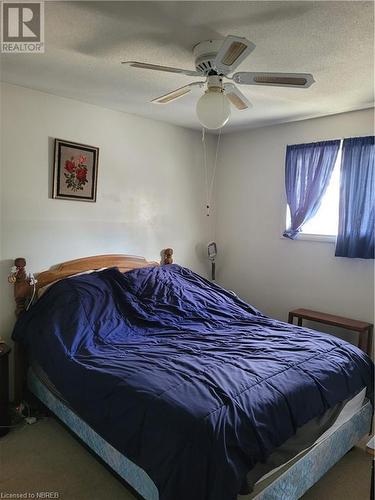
(213,109)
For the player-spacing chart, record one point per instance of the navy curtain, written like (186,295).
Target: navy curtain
(357,199)
(308,169)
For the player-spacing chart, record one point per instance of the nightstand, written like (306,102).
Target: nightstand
(4,389)
(363,329)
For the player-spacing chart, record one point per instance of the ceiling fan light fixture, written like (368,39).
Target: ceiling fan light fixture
(216,60)
(213,109)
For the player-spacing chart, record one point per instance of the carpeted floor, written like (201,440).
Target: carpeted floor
(46,457)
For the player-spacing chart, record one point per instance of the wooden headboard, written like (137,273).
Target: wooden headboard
(24,289)
(122,262)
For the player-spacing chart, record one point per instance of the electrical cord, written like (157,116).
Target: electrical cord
(33,282)
(19,411)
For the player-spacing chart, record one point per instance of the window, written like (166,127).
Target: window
(326,220)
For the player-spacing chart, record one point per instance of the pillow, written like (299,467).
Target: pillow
(42,290)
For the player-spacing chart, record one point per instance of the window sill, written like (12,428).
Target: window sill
(326,238)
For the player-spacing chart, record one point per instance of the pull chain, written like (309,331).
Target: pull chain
(209,184)
(206,171)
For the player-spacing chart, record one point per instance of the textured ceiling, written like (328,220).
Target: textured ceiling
(85,42)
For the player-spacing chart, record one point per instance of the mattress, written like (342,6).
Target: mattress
(287,454)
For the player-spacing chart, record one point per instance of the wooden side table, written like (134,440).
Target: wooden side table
(4,389)
(364,330)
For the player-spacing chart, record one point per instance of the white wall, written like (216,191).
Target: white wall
(150,187)
(274,273)
(151,195)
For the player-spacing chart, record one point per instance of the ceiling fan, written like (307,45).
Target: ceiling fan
(215,60)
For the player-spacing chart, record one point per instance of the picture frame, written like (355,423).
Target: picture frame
(75,171)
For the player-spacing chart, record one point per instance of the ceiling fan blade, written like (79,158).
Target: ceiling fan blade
(236,97)
(297,80)
(232,52)
(157,67)
(176,94)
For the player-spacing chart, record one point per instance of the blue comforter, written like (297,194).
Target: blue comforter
(189,382)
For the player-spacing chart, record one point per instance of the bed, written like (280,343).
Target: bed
(185,390)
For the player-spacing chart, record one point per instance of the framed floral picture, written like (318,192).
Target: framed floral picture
(75,172)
